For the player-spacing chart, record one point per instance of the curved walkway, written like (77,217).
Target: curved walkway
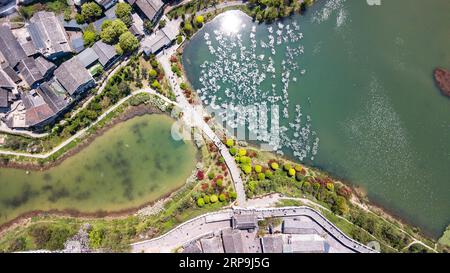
(212,223)
(193,116)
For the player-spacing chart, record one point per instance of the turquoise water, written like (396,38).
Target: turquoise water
(366,96)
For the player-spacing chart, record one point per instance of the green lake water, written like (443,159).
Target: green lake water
(133,163)
(367,90)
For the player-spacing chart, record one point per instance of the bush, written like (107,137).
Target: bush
(91,11)
(199,20)
(246,160)
(200,175)
(330,186)
(152,73)
(222,197)
(213,198)
(261,176)
(207,199)
(229,143)
(287,167)
(200,202)
(269,174)
(128,42)
(247,169)
(219,183)
(274,166)
(233,195)
(291,172)
(298,176)
(242,151)
(211,175)
(156,85)
(298,168)
(179,39)
(233,151)
(258,168)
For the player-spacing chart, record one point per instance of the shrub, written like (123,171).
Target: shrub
(183,86)
(298,168)
(233,195)
(291,172)
(207,199)
(156,85)
(200,202)
(200,175)
(258,168)
(242,152)
(211,175)
(247,169)
(246,160)
(298,176)
(229,142)
(330,186)
(179,39)
(233,151)
(199,20)
(261,176)
(274,166)
(213,198)
(152,73)
(222,197)
(252,186)
(287,167)
(219,183)
(269,174)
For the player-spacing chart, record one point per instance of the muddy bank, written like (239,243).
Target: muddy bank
(128,114)
(442,79)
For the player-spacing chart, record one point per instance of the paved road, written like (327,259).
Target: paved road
(193,116)
(211,223)
(81,132)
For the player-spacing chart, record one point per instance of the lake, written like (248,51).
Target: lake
(133,163)
(354,88)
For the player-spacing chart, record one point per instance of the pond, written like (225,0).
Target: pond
(354,88)
(133,163)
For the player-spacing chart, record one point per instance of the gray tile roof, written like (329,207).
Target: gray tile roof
(54,95)
(272,244)
(48,34)
(150,8)
(87,57)
(155,42)
(4,97)
(105,52)
(306,247)
(245,221)
(37,110)
(212,245)
(10,48)
(72,75)
(232,241)
(44,66)
(5,80)
(29,71)
(299,226)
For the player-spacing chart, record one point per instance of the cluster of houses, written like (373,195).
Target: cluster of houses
(45,67)
(295,235)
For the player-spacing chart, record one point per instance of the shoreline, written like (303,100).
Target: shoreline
(129,113)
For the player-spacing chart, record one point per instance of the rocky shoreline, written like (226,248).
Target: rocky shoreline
(442,79)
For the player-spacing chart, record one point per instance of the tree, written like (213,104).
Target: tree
(274,166)
(233,151)
(105,24)
(112,32)
(89,38)
(207,199)
(242,151)
(229,143)
(247,169)
(96,236)
(187,28)
(222,197)
(258,168)
(123,12)
(200,202)
(179,39)
(291,172)
(330,186)
(219,183)
(79,18)
(199,20)
(269,174)
(148,26)
(156,85)
(91,11)
(261,176)
(213,198)
(128,42)
(287,167)
(152,73)
(162,23)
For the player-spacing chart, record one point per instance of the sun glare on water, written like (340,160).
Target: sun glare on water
(231,23)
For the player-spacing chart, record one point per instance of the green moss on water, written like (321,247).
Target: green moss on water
(133,163)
